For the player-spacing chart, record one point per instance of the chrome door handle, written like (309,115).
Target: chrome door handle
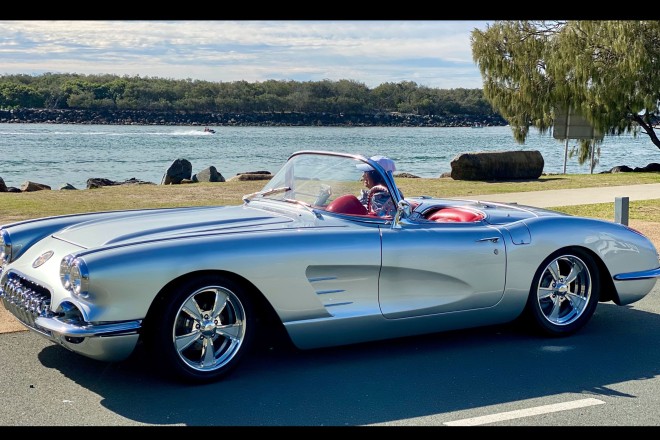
(491,239)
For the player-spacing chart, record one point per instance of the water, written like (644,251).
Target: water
(55,154)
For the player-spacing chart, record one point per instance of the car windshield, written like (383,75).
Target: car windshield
(318,179)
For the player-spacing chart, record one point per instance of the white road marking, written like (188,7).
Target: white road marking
(510,415)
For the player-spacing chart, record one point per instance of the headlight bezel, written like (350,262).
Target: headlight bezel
(74,276)
(5,247)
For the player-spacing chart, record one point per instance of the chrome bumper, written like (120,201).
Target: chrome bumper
(104,342)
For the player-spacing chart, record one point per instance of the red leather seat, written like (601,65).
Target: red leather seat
(455,215)
(347,204)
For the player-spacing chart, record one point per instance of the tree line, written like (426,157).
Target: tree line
(108,92)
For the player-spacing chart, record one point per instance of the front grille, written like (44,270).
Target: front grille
(25,299)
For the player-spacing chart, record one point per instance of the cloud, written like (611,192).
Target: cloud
(431,53)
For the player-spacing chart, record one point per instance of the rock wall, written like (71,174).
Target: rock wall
(142,117)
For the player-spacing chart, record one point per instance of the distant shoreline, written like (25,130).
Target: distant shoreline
(275,119)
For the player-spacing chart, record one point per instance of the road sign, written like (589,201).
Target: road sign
(570,125)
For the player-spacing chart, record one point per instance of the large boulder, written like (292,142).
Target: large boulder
(209,174)
(3,186)
(29,186)
(179,170)
(252,175)
(498,165)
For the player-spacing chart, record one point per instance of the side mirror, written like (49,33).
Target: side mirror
(403,210)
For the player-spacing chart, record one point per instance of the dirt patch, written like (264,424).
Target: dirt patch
(650,229)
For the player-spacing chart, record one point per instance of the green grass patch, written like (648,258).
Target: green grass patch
(20,206)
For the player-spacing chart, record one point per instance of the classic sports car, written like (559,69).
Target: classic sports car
(198,286)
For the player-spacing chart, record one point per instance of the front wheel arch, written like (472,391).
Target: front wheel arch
(164,317)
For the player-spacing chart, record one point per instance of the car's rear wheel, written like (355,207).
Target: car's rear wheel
(564,293)
(203,328)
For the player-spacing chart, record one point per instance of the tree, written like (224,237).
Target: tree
(608,71)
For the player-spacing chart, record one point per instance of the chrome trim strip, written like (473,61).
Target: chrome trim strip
(324,292)
(315,279)
(339,304)
(640,275)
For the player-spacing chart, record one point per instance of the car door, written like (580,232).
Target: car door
(429,268)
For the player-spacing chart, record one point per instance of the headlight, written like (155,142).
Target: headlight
(65,271)
(5,248)
(74,276)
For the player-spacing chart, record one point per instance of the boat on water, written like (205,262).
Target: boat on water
(209,130)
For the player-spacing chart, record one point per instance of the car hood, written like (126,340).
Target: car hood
(138,225)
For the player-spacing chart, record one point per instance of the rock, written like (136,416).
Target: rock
(209,174)
(179,169)
(620,169)
(254,172)
(498,165)
(248,176)
(650,168)
(406,175)
(134,181)
(67,186)
(3,187)
(98,182)
(29,186)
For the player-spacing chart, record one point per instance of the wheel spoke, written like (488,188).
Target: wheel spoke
(219,303)
(554,270)
(545,292)
(208,353)
(192,308)
(556,307)
(184,341)
(578,302)
(573,274)
(232,332)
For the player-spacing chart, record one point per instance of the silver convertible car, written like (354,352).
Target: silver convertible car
(199,286)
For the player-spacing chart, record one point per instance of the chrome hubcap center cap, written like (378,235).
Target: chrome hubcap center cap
(208,328)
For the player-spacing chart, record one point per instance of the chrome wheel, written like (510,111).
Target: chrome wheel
(564,293)
(209,328)
(564,290)
(200,329)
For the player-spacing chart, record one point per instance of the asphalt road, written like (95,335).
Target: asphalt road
(606,375)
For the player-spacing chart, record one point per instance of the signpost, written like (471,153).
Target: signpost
(571,125)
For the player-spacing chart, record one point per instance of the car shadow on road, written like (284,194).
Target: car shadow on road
(382,382)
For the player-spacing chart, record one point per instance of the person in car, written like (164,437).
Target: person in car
(376,197)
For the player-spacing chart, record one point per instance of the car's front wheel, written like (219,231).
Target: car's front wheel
(564,293)
(202,328)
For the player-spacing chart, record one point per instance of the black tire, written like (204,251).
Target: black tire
(209,311)
(564,293)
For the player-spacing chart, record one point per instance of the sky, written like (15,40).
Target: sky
(433,53)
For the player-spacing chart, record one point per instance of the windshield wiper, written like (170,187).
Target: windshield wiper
(249,197)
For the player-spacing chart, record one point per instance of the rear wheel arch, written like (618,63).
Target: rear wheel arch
(607,290)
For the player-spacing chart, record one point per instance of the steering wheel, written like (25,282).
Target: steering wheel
(370,195)
(325,191)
